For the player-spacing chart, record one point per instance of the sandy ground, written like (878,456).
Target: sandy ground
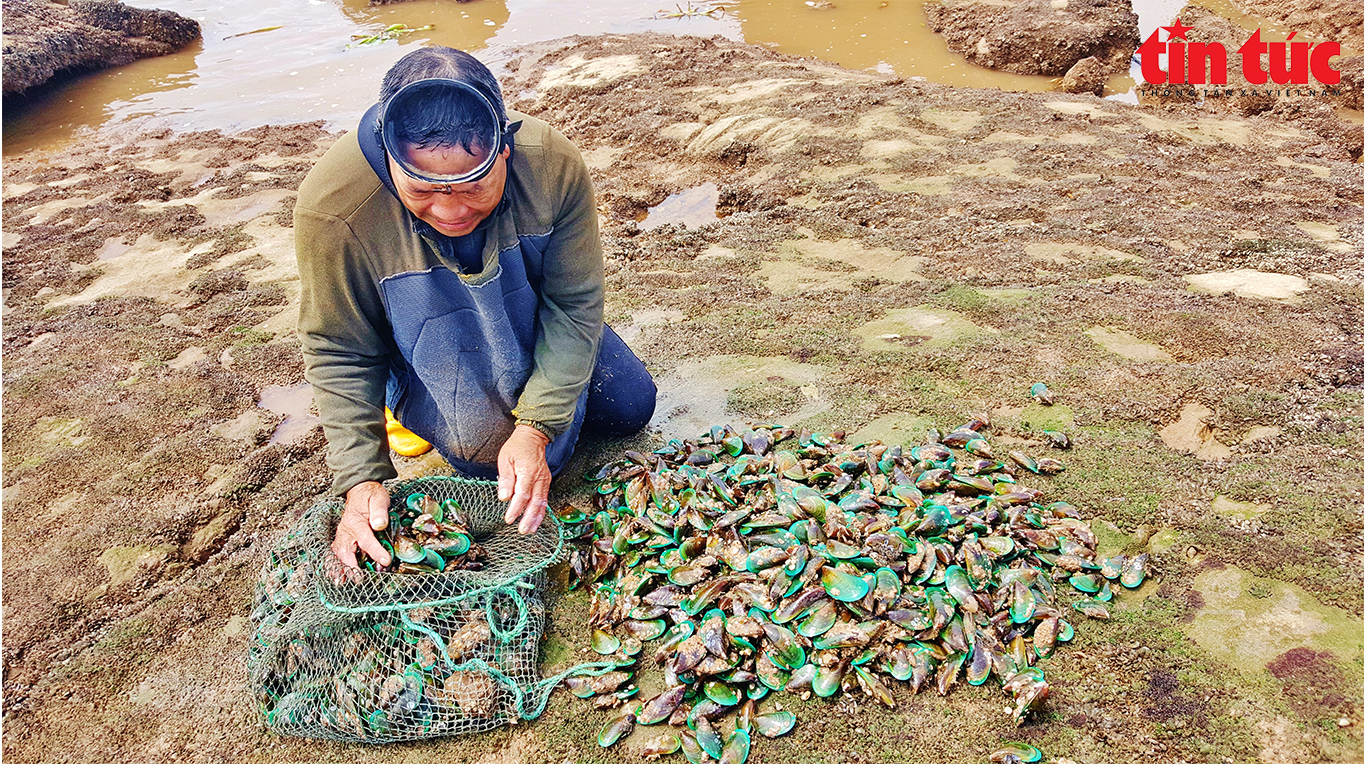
(1340,21)
(891,255)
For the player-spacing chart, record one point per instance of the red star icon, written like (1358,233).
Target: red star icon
(1177,30)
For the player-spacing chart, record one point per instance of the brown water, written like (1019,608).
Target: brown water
(890,37)
(238,77)
(294,403)
(692,208)
(113,247)
(246,72)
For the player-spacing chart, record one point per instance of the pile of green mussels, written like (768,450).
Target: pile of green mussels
(774,559)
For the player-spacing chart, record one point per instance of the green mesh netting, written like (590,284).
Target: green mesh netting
(383,657)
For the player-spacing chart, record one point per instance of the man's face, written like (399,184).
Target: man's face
(466,205)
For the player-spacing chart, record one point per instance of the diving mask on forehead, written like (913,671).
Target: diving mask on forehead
(422,112)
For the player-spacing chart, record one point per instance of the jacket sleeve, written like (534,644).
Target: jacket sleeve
(342,327)
(571,302)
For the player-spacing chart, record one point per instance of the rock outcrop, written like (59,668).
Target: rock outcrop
(1340,21)
(1351,81)
(1242,98)
(1045,37)
(1087,76)
(43,39)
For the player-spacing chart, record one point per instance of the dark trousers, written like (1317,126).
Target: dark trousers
(620,400)
(622,394)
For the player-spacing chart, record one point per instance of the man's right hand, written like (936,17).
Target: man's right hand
(366,511)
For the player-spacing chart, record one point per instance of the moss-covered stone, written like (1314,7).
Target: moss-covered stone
(124,563)
(1247,620)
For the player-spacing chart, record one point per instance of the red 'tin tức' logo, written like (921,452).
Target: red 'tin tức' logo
(1205,63)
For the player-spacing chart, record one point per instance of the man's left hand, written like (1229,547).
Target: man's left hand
(523,477)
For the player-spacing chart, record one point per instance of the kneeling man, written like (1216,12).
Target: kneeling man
(452,271)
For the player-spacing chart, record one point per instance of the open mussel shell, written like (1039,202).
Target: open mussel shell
(662,745)
(827,680)
(901,664)
(888,585)
(415,501)
(909,495)
(661,706)
(1041,394)
(691,749)
(1134,572)
(569,515)
(736,748)
(843,586)
(434,559)
(1022,603)
(1105,593)
(407,550)
(708,738)
(604,643)
(1022,751)
(1093,609)
(819,620)
(377,721)
(774,723)
(616,728)
(721,692)
(645,630)
(770,674)
(1087,583)
(603,525)
(1066,633)
(999,546)
(1111,567)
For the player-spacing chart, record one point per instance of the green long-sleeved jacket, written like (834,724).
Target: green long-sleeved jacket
(382,293)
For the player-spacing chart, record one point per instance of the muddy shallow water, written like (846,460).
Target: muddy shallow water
(271,63)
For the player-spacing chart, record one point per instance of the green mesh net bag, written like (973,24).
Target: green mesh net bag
(382,657)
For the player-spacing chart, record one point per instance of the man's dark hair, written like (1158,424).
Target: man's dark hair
(451,118)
